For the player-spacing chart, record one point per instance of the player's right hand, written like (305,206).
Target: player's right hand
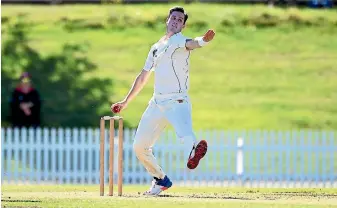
(118,107)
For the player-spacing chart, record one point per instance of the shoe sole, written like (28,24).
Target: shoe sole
(167,187)
(200,152)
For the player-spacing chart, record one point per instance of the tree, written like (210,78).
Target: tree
(68,98)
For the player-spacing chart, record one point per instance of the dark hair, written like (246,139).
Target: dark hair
(24,75)
(179,9)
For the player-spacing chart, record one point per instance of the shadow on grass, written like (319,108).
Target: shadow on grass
(70,96)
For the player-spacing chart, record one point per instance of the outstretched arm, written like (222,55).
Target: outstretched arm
(200,41)
(137,86)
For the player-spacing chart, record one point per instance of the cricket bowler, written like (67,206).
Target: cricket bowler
(169,59)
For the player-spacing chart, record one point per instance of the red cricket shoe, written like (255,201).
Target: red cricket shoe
(199,152)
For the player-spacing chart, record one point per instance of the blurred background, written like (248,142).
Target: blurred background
(263,92)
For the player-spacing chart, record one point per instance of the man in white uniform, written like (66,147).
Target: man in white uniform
(170,104)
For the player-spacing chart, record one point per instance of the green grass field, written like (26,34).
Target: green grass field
(266,69)
(88,196)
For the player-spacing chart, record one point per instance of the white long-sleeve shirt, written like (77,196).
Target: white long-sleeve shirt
(170,62)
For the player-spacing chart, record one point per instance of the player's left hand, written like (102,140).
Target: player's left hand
(209,35)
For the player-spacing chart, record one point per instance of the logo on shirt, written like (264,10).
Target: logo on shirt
(154,52)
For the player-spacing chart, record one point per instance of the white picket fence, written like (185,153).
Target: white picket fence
(234,158)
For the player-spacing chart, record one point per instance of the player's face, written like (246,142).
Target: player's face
(175,23)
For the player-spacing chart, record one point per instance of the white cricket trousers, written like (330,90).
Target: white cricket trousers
(161,111)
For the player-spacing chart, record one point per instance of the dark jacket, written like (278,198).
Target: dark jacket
(18,117)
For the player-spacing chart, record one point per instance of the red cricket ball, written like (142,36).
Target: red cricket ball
(116,109)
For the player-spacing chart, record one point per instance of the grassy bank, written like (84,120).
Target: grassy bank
(267,68)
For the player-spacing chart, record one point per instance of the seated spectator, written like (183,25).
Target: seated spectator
(25,104)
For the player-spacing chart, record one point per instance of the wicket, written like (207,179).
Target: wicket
(111,153)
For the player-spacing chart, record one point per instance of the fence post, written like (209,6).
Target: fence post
(239,157)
